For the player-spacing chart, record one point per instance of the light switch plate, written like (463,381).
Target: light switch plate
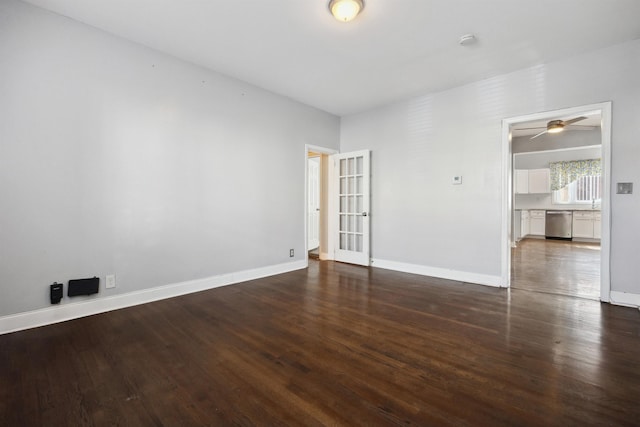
(456,180)
(110,281)
(624,188)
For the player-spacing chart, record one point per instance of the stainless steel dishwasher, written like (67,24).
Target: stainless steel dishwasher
(558,225)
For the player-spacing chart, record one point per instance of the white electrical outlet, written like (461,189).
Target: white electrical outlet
(110,281)
(456,180)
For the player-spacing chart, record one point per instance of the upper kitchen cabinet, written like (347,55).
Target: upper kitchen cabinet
(521,181)
(532,181)
(539,181)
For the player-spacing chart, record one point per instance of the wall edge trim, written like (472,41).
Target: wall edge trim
(442,273)
(61,313)
(625,299)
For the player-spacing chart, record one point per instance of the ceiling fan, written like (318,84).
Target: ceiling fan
(557,126)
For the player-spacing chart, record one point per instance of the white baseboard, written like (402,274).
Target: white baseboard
(625,299)
(324,256)
(443,273)
(585,240)
(61,313)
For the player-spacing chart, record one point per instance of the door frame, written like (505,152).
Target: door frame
(308,148)
(507,189)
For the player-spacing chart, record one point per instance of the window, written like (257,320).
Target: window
(588,188)
(576,181)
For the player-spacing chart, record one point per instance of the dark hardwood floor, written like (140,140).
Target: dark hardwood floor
(557,267)
(332,345)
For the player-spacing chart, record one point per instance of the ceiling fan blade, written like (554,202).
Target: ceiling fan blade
(577,119)
(582,127)
(541,133)
(539,127)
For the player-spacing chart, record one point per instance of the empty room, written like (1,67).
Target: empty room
(319,212)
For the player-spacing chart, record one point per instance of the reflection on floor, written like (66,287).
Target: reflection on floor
(557,266)
(333,344)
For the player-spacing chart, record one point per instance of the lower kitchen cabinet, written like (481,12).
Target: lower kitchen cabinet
(587,224)
(597,225)
(537,218)
(525,223)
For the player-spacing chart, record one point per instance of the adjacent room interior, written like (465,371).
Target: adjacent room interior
(557,199)
(320,212)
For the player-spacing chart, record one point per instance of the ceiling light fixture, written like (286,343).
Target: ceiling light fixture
(345,10)
(467,40)
(555,126)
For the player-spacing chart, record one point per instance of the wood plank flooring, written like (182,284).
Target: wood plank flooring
(557,267)
(331,345)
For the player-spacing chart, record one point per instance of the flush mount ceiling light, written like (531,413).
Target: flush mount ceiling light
(345,10)
(467,40)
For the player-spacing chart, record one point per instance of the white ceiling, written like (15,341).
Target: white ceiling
(393,50)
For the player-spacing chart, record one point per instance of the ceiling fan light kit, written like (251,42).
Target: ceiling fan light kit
(555,126)
(345,10)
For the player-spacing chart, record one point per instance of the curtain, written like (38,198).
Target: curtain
(564,173)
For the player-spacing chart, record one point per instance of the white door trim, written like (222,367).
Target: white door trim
(308,148)
(605,243)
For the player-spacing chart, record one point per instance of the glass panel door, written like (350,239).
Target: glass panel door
(352,175)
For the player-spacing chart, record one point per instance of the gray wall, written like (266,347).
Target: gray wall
(115,158)
(538,160)
(566,139)
(419,144)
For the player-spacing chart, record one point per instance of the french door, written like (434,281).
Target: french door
(352,181)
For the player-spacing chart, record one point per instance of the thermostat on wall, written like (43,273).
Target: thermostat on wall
(456,180)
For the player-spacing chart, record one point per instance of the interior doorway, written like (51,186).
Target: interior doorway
(317,202)
(313,205)
(556,233)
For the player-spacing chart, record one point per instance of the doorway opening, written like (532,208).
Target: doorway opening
(317,202)
(556,194)
(313,206)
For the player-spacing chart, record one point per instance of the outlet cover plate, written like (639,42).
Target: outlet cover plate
(624,188)
(110,281)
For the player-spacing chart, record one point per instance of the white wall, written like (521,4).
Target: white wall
(418,217)
(115,158)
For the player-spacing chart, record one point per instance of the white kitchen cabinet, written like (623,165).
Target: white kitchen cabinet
(532,181)
(537,219)
(521,181)
(583,224)
(525,224)
(539,181)
(597,225)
